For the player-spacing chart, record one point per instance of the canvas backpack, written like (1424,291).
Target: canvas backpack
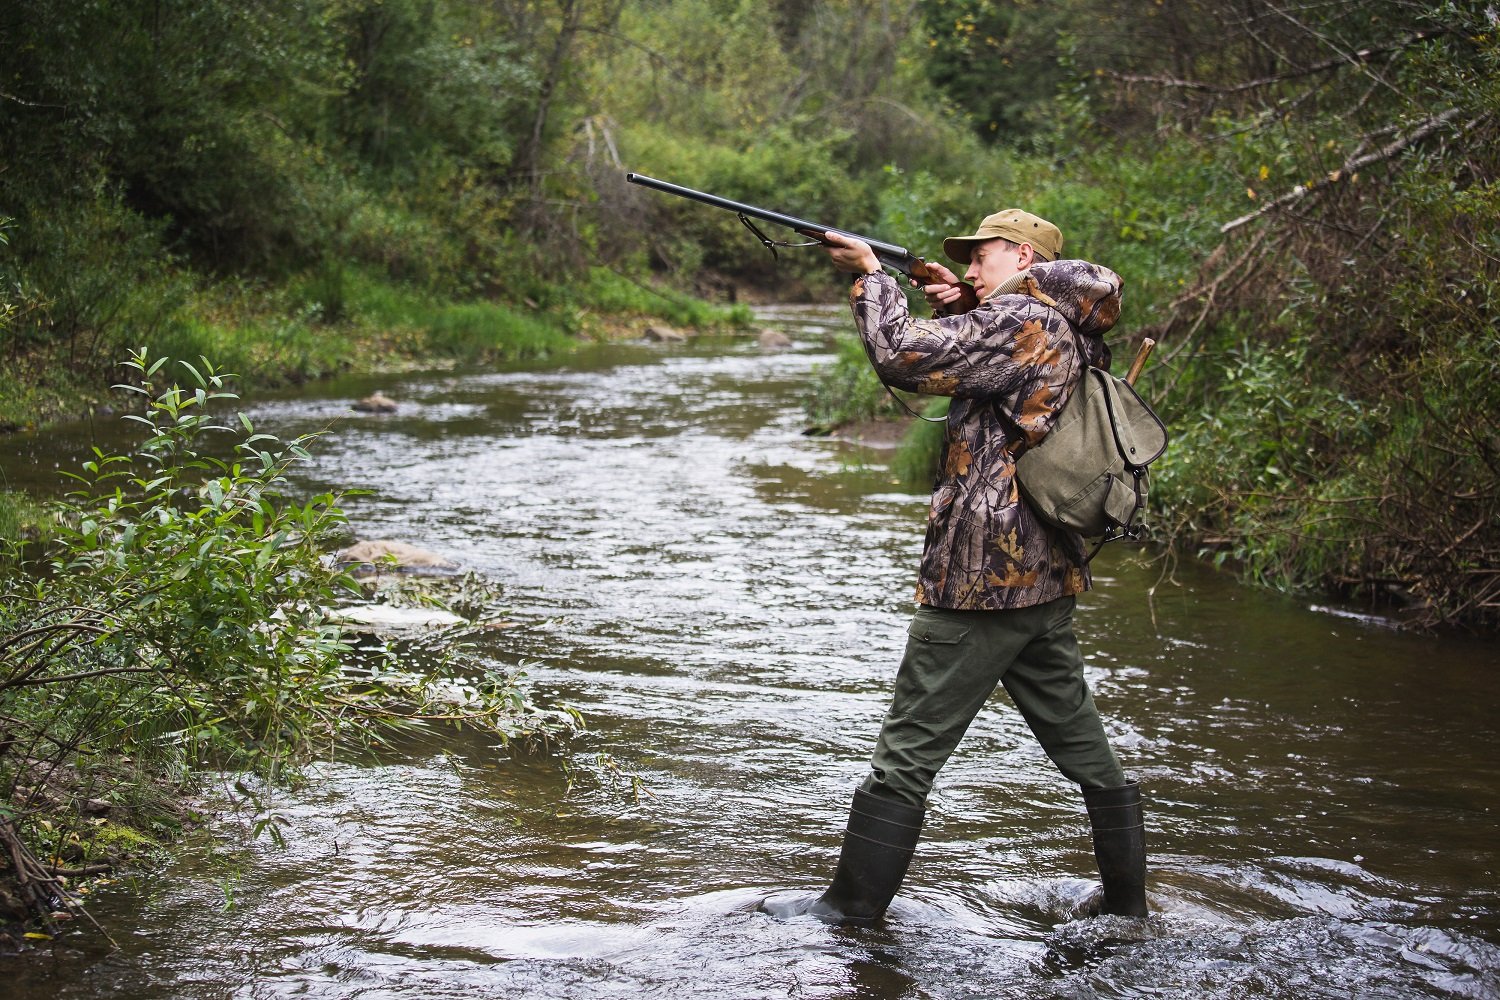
(1089,473)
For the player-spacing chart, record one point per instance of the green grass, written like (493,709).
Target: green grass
(492,330)
(610,292)
(916,460)
(266,349)
(20,515)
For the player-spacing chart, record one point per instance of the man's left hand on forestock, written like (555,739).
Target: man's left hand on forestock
(849,254)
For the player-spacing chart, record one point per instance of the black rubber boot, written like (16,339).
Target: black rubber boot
(1120,847)
(878,845)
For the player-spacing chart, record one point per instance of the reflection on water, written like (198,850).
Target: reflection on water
(725,600)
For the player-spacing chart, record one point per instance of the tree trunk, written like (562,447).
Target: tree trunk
(529,162)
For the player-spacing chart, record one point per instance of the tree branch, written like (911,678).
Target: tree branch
(30,681)
(30,104)
(1357,57)
(1350,167)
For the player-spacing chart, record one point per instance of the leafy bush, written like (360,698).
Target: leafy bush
(848,390)
(185,620)
(1239,495)
(91,273)
(919,208)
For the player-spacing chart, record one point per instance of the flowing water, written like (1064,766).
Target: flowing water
(725,599)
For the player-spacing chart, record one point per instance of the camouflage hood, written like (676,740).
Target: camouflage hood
(1087,295)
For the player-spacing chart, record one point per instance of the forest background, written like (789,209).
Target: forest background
(1302,200)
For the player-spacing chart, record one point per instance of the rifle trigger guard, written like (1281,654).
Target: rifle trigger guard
(769,243)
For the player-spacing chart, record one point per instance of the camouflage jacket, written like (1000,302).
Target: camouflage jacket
(1010,364)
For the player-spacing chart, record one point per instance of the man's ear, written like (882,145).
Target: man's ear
(1026,255)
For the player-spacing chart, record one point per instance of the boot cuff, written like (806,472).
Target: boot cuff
(1114,808)
(885,821)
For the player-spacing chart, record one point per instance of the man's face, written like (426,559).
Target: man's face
(993,261)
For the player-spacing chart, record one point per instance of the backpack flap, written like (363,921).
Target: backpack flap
(1065,477)
(1140,436)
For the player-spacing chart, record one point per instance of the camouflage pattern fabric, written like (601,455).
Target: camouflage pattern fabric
(1010,365)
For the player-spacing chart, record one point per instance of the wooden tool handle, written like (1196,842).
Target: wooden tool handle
(1140,361)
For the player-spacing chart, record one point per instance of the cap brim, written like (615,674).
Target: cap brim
(961,248)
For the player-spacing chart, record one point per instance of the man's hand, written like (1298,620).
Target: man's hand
(849,254)
(947,295)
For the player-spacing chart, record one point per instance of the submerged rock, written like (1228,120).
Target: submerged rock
(774,340)
(376,403)
(383,554)
(664,335)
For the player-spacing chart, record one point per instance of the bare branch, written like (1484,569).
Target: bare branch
(30,104)
(1357,57)
(30,681)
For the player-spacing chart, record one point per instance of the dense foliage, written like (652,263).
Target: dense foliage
(1330,363)
(1302,199)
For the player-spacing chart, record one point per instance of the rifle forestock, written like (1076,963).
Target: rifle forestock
(889,254)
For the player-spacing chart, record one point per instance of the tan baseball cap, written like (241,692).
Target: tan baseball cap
(1011,224)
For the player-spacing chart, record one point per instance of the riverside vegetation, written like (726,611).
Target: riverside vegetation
(181,622)
(1303,202)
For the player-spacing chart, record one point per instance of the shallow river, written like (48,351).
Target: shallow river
(724,599)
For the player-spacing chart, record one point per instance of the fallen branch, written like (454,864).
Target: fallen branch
(4,95)
(81,871)
(41,888)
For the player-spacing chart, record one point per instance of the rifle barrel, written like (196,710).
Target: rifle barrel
(887,252)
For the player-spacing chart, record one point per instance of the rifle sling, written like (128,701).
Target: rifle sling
(769,243)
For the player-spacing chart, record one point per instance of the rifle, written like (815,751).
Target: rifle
(889,255)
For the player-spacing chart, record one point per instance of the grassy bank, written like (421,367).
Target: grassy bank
(309,329)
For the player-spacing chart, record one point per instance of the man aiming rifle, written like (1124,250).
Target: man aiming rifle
(997,583)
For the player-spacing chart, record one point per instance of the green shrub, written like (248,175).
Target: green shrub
(848,390)
(920,453)
(918,209)
(95,274)
(185,621)
(1274,428)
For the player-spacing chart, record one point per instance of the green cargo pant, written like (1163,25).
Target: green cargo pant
(953,661)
